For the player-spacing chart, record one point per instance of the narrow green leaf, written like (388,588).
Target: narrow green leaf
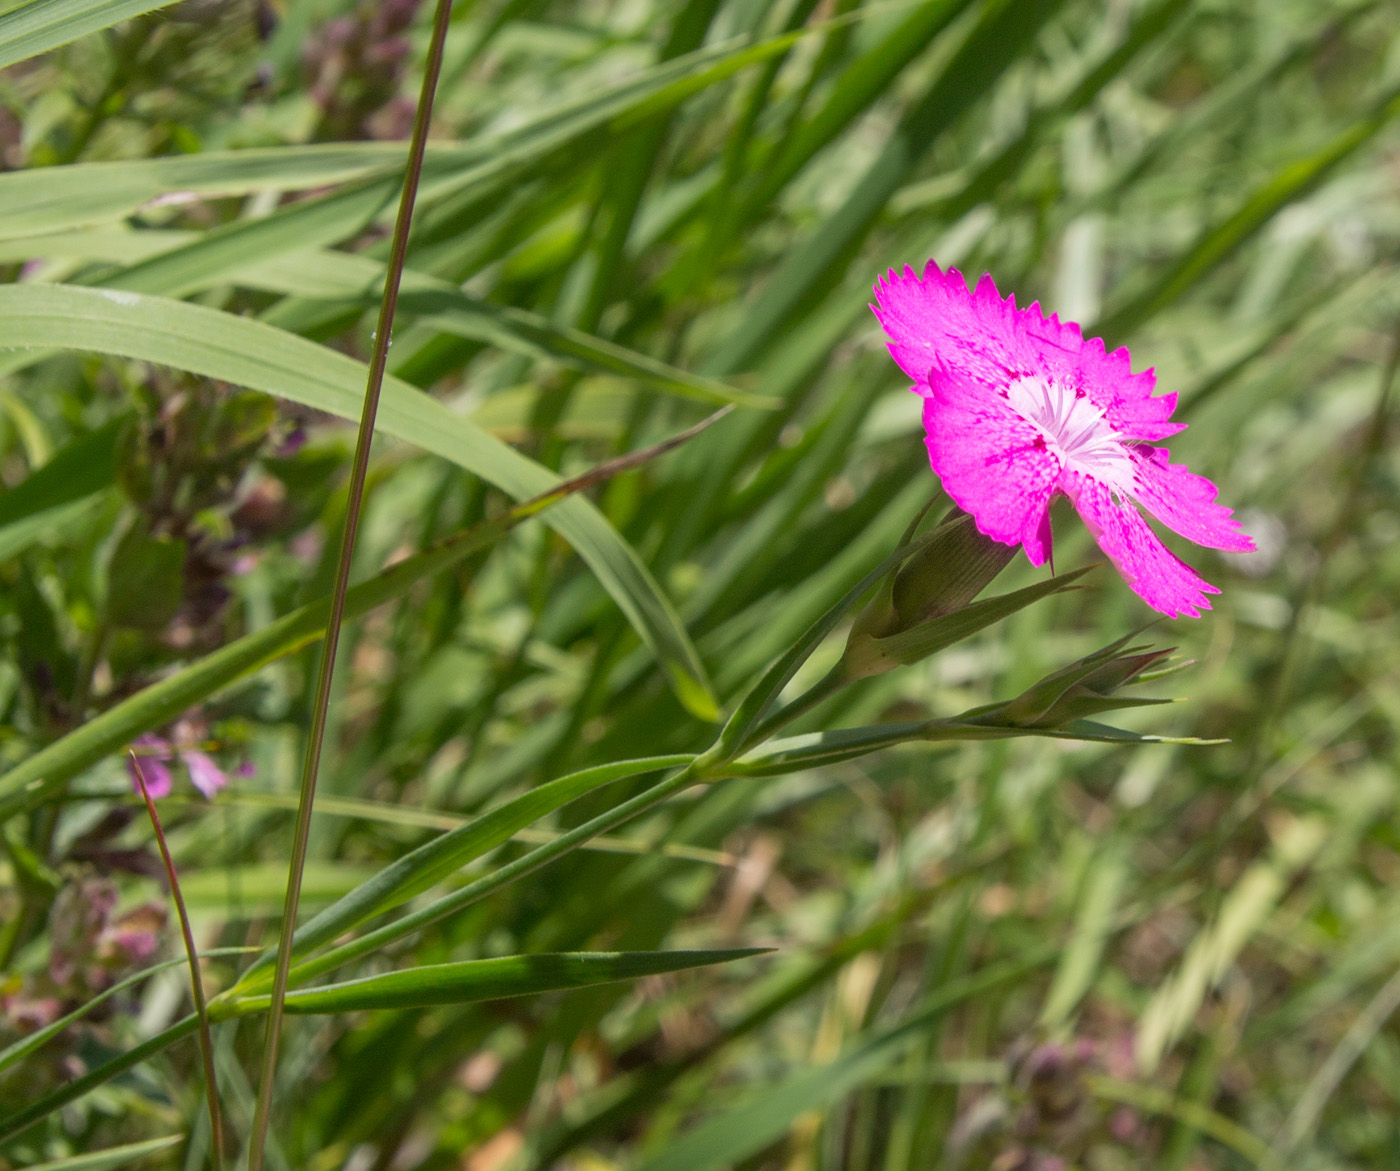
(441,305)
(756,701)
(52,199)
(57,199)
(298,227)
(495,979)
(936,634)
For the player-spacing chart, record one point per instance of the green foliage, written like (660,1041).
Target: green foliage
(729,816)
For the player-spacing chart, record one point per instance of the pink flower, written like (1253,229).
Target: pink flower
(1019,407)
(155,754)
(152,754)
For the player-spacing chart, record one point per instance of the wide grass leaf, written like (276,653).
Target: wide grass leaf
(252,354)
(30,29)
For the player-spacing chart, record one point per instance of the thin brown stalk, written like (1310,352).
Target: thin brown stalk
(379,360)
(206,1041)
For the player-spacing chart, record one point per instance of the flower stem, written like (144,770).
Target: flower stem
(379,360)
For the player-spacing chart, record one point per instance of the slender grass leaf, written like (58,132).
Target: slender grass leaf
(494,979)
(56,199)
(936,634)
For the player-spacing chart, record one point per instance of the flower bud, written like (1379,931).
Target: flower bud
(955,563)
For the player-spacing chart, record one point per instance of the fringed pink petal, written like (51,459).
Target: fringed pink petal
(1155,573)
(937,326)
(994,465)
(1185,502)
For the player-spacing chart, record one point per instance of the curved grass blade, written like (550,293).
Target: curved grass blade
(59,199)
(250,353)
(441,984)
(493,979)
(55,199)
(739,728)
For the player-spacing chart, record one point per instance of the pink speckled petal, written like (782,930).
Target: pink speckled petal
(1185,502)
(994,465)
(1155,573)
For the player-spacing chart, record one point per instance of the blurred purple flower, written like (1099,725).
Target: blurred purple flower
(155,755)
(206,776)
(152,755)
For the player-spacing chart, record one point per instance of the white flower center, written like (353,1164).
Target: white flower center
(1074,429)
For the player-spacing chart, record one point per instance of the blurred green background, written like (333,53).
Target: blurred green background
(1024,955)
